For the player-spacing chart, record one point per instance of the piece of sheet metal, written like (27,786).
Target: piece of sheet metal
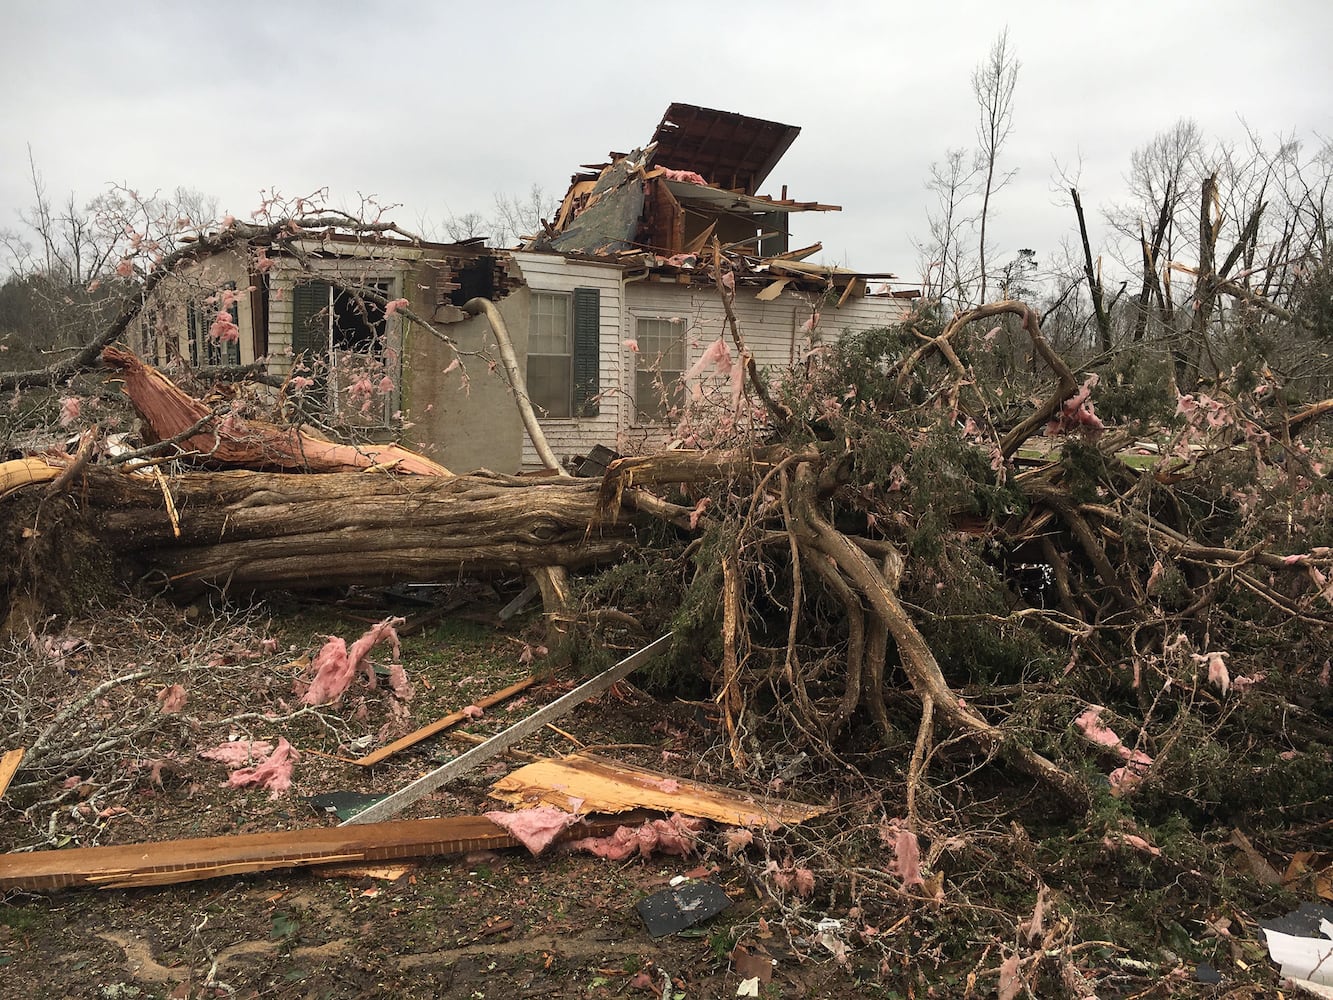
(500,742)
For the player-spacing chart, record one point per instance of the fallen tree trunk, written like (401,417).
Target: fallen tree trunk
(262,531)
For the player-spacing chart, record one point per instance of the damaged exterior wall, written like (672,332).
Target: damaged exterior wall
(175,323)
(472,424)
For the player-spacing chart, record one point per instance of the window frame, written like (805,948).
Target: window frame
(324,348)
(670,380)
(546,411)
(199,320)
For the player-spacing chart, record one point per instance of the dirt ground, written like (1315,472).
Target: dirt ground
(498,924)
(814,911)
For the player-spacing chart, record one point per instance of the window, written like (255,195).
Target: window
(564,345)
(550,354)
(658,367)
(338,339)
(204,348)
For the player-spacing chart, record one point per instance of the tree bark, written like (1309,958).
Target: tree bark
(252,530)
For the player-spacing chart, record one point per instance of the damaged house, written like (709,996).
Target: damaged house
(613,310)
(618,299)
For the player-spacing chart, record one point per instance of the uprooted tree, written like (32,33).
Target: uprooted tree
(892,526)
(908,545)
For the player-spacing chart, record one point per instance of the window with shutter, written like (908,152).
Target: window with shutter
(339,340)
(310,321)
(311,310)
(206,349)
(564,345)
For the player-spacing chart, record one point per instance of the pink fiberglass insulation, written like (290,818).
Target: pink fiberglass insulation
(335,665)
(171,700)
(688,176)
(675,835)
(1137,762)
(273,773)
(332,672)
(907,858)
(535,828)
(238,753)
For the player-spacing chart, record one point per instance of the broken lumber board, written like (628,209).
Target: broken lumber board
(169,862)
(440,725)
(9,765)
(502,741)
(21,472)
(519,602)
(583,783)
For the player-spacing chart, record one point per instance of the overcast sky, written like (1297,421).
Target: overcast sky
(438,106)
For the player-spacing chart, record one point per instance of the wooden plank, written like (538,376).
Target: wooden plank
(856,288)
(519,602)
(9,764)
(583,783)
(174,861)
(440,725)
(497,744)
(772,291)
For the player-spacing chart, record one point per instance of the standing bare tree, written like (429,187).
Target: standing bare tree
(993,85)
(952,182)
(517,217)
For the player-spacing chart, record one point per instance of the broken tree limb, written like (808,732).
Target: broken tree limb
(440,725)
(1094,278)
(20,472)
(517,384)
(502,741)
(726,289)
(234,441)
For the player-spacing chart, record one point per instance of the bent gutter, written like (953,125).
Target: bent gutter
(519,385)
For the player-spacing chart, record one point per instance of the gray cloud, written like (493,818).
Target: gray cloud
(440,106)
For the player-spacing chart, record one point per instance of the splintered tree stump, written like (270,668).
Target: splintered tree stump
(230,441)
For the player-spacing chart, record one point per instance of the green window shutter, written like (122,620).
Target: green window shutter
(587,351)
(310,330)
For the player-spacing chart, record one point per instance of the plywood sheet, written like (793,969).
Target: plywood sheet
(584,784)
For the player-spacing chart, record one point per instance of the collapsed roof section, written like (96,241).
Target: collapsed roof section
(664,205)
(728,150)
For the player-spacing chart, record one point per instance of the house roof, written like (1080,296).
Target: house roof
(729,150)
(729,201)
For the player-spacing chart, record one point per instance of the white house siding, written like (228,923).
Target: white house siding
(552,273)
(771,330)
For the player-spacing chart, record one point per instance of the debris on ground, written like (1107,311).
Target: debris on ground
(1302,944)
(452,719)
(673,910)
(585,783)
(175,861)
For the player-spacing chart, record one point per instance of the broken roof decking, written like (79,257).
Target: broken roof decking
(730,151)
(697,178)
